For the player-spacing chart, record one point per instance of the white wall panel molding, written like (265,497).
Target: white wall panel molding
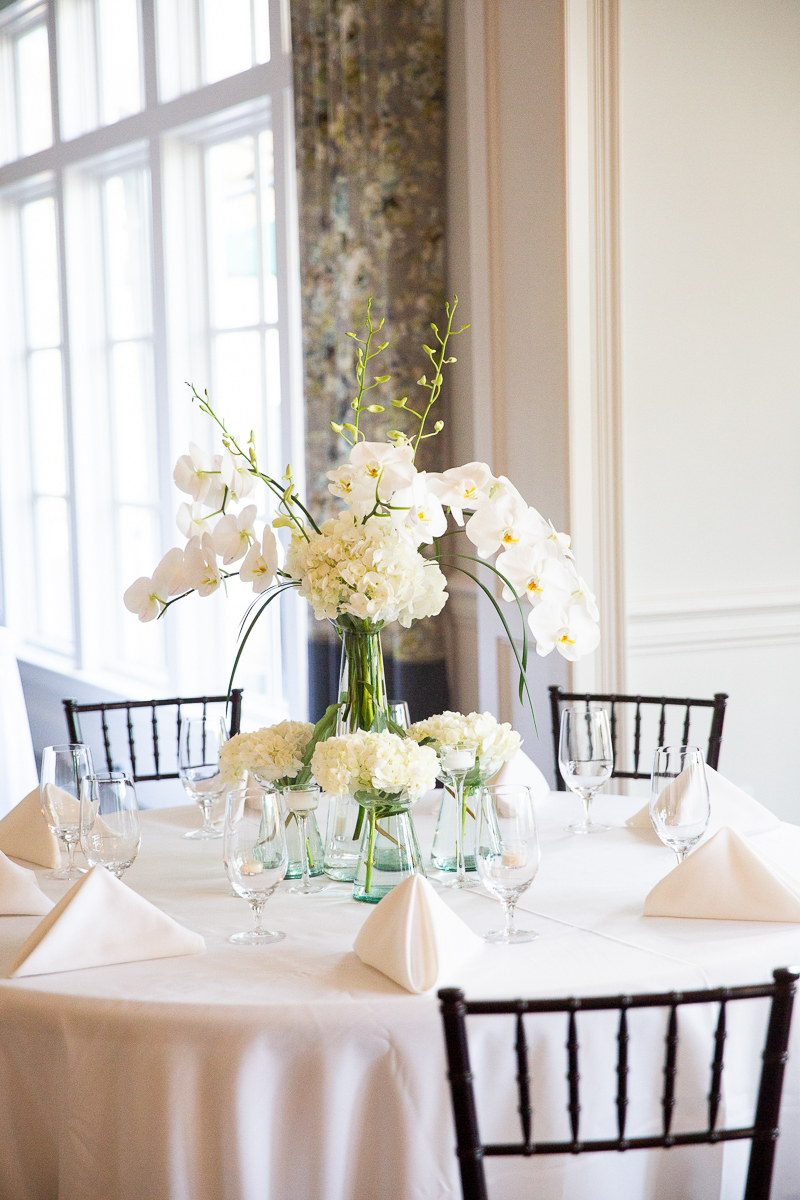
(596,516)
(714,621)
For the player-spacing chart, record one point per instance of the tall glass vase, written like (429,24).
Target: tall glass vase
(443,853)
(389,850)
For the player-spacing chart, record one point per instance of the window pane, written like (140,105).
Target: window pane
(227,38)
(120,68)
(127,254)
(237,383)
(35,129)
(53,590)
(40,265)
(135,445)
(267,180)
(138,551)
(233,233)
(48,448)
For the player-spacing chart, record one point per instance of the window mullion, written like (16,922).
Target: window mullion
(149,53)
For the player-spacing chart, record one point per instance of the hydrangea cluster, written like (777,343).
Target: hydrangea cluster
(375,762)
(365,568)
(273,753)
(495,741)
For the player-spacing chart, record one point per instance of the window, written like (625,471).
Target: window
(147,232)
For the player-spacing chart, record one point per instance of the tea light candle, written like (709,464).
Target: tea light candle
(251,868)
(515,856)
(301,799)
(458,759)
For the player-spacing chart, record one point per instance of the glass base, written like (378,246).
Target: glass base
(587,827)
(256,937)
(303,889)
(510,938)
(463,885)
(203,835)
(343,874)
(295,871)
(451,864)
(66,874)
(375,893)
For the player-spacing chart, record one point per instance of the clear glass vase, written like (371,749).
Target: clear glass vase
(343,838)
(443,853)
(294,844)
(389,850)
(362,686)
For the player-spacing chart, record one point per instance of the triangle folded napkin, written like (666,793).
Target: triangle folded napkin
(726,879)
(100,922)
(414,938)
(20,894)
(523,772)
(729,806)
(24,833)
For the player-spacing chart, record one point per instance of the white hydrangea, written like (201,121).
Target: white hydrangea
(275,752)
(377,762)
(495,741)
(365,569)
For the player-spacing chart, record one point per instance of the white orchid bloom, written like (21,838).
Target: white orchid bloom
(147,596)
(234,535)
(504,522)
(534,573)
(569,629)
(353,486)
(190,520)
(235,471)
(462,487)
(200,569)
(425,518)
(195,472)
(261,562)
(384,466)
(558,543)
(582,595)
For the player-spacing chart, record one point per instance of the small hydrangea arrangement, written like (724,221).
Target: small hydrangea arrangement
(495,741)
(273,755)
(376,769)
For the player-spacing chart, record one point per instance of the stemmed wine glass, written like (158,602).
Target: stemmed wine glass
(63,769)
(585,759)
(255,855)
(456,762)
(110,831)
(198,768)
(507,852)
(303,799)
(680,807)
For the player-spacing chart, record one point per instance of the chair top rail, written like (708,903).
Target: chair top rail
(614,696)
(122,704)
(636,1143)
(595,1003)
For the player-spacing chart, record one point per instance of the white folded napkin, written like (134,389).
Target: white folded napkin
(99,922)
(414,938)
(726,879)
(20,894)
(524,772)
(729,806)
(24,833)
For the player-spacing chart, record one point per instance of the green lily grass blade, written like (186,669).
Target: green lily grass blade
(275,592)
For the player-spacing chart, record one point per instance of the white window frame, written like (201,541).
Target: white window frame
(152,125)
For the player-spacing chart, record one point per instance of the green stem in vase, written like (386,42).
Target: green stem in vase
(370,850)
(359,823)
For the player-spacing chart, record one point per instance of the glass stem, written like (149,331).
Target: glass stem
(257,907)
(461,874)
(71,855)
(304,851)
(206,807)
(587,802)
(508,912)
(681,854)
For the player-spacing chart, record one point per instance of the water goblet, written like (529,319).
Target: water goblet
(302,800)
(63,769)
(585,759)
(680,807)
(198,768)
(456,762)
(110,831)
(507,852)
(255,855)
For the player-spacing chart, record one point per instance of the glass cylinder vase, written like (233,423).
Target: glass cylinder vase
(343,838)
(443,852)
(362,685)
(389,849)
(294,844)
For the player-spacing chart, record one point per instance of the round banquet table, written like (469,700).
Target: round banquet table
(294,1072)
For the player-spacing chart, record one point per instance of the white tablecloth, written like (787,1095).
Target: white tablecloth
(293,1072)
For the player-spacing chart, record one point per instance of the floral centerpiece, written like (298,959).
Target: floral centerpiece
(385,774)
(273,755)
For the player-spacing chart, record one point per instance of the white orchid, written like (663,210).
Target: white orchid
(382,466)
(200,569)
(424,517)
(462,487)
(567,628)
(234,535)
(559,543)
(190,520)
(235,472)
(198,474)
(147,596)
(504,522)
(534,573)
(261,562)
(582,595)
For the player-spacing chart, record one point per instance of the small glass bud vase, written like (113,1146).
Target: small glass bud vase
(389,849)
(343,837)
(444,852)
(303,841)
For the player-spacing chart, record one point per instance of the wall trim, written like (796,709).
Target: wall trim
(714,621)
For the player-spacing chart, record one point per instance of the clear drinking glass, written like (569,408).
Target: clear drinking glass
(303,800)
(254,854)
(198,768)
(508,852)
(63,770)
(110,831)
(680,807)
(456,762)
(585,759)
(398,710)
